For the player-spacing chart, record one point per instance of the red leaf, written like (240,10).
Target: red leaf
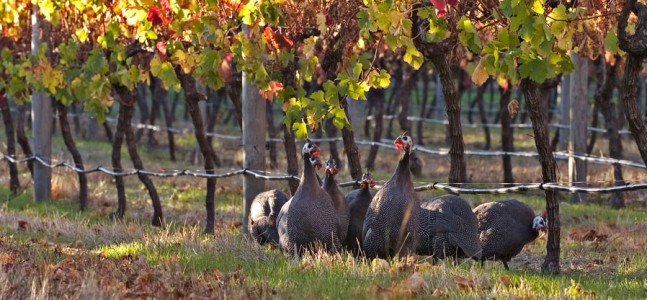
(440,7)
(156,17)
(277,40)
(275,87)
(451,2)
(161,47)
(225,68)
(165,5)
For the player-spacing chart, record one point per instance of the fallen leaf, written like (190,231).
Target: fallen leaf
(464,284)
(438,293)
(22,224)
(415,283)
(379,265)
(513,108)
(505,280)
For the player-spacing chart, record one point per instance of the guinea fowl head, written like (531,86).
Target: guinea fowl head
(331,167)
(367,181)
(311,153)
(539,223)
(403,142)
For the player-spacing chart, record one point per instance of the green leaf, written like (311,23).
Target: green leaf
(611,42)
(468,35)
(300,129)
(535,69)
(331,94)
(413,57)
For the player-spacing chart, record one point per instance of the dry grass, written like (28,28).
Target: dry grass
(54,251)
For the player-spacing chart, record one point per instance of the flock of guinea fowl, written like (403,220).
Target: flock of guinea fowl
(390,222)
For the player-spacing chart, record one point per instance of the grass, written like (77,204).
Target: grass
(51,250)
(611,268)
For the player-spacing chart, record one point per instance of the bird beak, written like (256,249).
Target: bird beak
(315,152)
(398,143)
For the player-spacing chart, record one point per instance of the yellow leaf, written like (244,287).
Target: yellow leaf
(480,75)
(321,23)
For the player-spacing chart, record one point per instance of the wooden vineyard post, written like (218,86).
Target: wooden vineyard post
(41,112)
(578,121)
(254,133)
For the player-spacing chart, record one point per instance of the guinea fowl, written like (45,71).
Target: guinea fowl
(391,223)
(263,214)
(309,217)
(330,186)
(505,227)
(358,202)
(448,228)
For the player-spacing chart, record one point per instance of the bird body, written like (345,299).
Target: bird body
(358,202)
(263,214)
(330,186)
(505,227)
(448,228)
(391,222)
(309,218)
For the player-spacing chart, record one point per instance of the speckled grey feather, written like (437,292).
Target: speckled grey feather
(309,218)
(263,214)
(448,228)
(343,213)
(505,227)
(358,202)
(391,223)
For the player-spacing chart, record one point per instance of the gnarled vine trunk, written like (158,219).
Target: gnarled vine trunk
(14,181)
(609,112)
(192,99)
(23,141)
(636,47)
(76,155)
(128,100)
(548,171)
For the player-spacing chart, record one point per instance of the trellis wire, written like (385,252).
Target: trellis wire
(524,187)
(490,125)
(386,144)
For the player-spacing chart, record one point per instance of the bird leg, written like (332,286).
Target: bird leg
(505,264)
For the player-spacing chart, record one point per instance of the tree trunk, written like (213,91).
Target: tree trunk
(291,156)
(192,99)
(116,165)
(76,155)
(603,97)
(577,169)
(23,141)
(14,180)
(391,104)
(507,134)
(480,91)
(376,97)
(128,100)
(457,170)
(628,91)
(549,173)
